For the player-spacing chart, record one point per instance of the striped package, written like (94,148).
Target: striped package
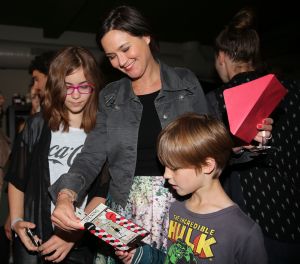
(112,228)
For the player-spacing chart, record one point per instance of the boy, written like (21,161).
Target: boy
(206,227)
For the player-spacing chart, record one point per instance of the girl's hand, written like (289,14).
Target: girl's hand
(57,247)
(20,229)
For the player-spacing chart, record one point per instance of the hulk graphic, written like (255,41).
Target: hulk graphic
(180,253)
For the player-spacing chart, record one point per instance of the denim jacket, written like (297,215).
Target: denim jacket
(115,136)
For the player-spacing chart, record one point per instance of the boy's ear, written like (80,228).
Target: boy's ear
(209,166)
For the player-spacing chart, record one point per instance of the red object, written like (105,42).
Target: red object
(249,103)
(111,216)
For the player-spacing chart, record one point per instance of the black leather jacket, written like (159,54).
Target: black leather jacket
(29,172)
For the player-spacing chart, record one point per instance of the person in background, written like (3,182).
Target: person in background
(46,148)
(35,98)
(5,232)
(4,143)
(267,188)
(38,69)
(132,112)
(2,101)
(35,107)
(4,156)
(208,227)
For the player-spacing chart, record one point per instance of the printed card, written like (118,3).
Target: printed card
(111,227)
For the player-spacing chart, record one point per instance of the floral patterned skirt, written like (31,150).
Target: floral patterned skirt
(148,205)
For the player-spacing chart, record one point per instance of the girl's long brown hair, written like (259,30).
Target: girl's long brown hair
(65,63)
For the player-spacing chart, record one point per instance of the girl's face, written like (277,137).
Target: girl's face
(127,53)
(78,92)
(185,180)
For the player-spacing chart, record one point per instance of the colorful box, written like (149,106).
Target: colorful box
(112,228)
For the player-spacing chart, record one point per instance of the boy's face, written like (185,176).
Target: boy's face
(185,180)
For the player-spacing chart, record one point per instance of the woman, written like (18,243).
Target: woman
(268,187)
(45,149)
(132,112)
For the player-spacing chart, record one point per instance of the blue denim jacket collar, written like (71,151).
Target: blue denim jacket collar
(170,82)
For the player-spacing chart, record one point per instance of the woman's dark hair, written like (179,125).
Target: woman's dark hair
(65,63)
(127,19)
(239,40)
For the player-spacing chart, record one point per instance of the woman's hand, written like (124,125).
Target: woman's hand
(263,135)
(264,130)
(63,215)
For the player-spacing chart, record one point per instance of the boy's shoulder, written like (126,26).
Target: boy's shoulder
(238,220)
(232,214)
(230,234)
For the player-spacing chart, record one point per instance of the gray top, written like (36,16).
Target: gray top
(227,236)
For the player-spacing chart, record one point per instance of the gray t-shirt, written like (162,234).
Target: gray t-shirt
(227,236)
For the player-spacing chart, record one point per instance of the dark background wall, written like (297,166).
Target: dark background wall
(185,30)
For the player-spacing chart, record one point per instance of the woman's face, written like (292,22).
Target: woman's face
(127,53)
(220,66)
(79,91)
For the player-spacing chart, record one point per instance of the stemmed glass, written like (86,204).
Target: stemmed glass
(263,147)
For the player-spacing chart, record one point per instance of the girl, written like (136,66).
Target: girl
(45,149)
